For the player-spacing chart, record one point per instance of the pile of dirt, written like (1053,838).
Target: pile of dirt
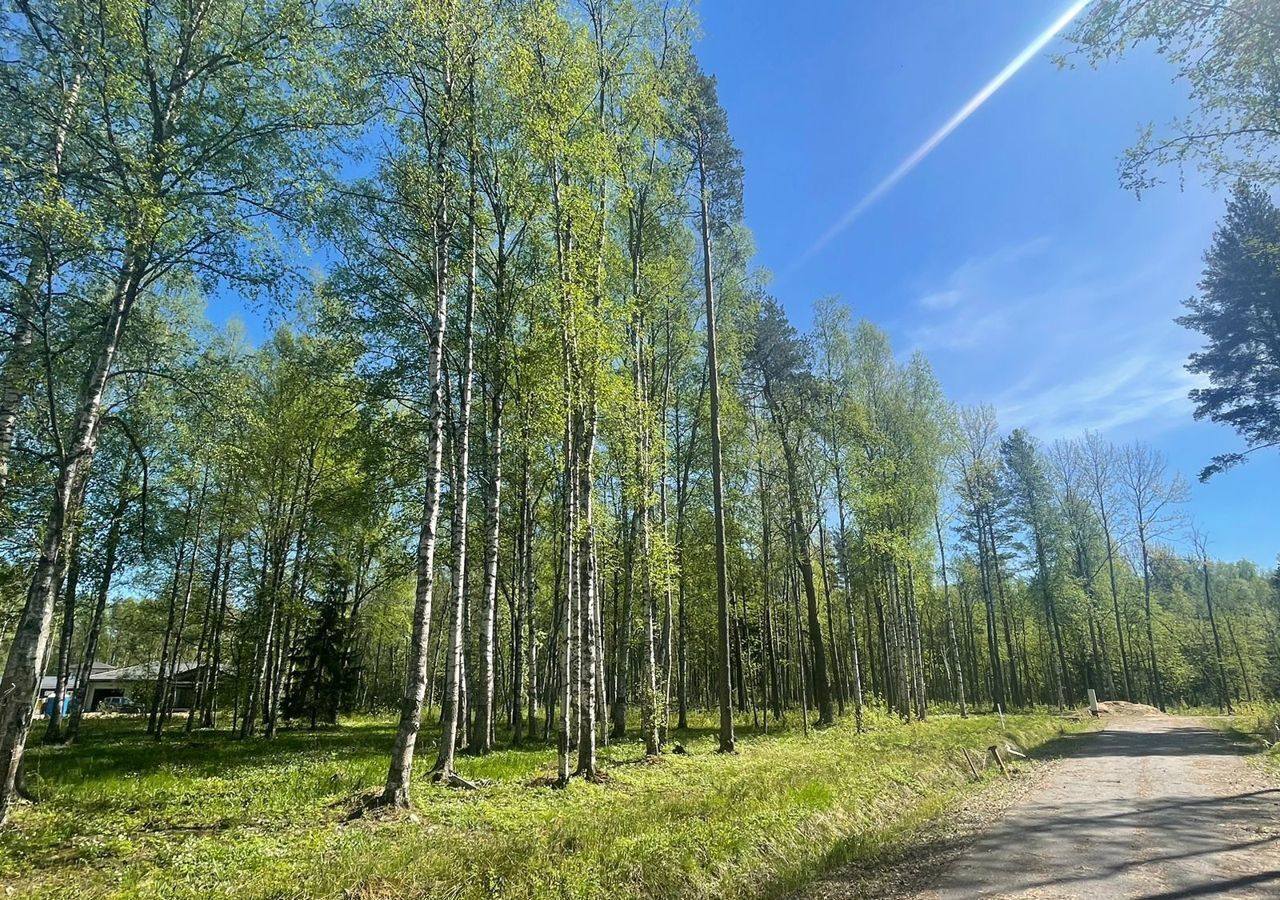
(1124,708)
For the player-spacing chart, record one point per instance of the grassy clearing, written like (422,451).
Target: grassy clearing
(208,816)
(1259,724)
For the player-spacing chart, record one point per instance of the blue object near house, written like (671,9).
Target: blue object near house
(46,708)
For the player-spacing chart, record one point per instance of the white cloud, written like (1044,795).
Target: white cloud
(1145,388)
(973,277)
(941,299)
(962,332)
(1059,346)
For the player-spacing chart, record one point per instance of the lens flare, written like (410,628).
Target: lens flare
(920,153)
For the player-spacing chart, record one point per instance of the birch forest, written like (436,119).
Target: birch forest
(517,448)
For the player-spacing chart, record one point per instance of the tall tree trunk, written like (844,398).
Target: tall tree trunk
(1157,689)
(727,739)
(587,611)
(175,655)
(1244,673)
(668,620)
(110,551)
(649,702)
(493,510)
(1051,623)
(843,568)
(567,603)
(899,641)
(529,596)
(208,714)
(916,647)
(166,644)
(1115,605)
(1096,631)
(453,716)
(766,583)
(831,618)
(207,623)
(258,673)
(993,640)
(53,734)
(1015,687)
(800,551)
(520,610)
(396,790)
(802,680)
(953,645)
(27,651)
(1224,694)
(629,527)
(40,268)
(281,664)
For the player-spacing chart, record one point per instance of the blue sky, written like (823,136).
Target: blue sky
(1011,255)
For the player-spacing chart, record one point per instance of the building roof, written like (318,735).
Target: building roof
(104,673)
(141,672)
(50,682)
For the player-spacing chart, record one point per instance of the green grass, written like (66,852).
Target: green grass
(209,816)
(1255,723)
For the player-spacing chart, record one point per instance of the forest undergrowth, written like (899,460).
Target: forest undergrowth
(120,815)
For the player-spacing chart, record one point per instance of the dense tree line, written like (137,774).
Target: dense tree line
(532,452)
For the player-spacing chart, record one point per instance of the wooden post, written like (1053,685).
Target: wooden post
(969,759)
(1093,703)
(995,751)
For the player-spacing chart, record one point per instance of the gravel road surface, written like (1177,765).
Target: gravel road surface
(1152,807)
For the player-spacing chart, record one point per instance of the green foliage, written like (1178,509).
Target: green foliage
(1237,311)
(1224,56)
(533,204)
(210,816)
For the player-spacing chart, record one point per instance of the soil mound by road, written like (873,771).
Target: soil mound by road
(1124,708)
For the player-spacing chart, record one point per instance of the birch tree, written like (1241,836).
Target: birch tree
(186,139)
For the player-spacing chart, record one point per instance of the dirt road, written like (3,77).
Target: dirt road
(1151,807)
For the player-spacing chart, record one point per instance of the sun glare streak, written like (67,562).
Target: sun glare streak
(919,154)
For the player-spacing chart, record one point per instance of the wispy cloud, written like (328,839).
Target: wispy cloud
(975,275)
(976,304)
(963,332)
(940,300)
(1146,389)
(1058,346)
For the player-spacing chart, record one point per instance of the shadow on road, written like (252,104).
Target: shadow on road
(1155,809)
(1172,737)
